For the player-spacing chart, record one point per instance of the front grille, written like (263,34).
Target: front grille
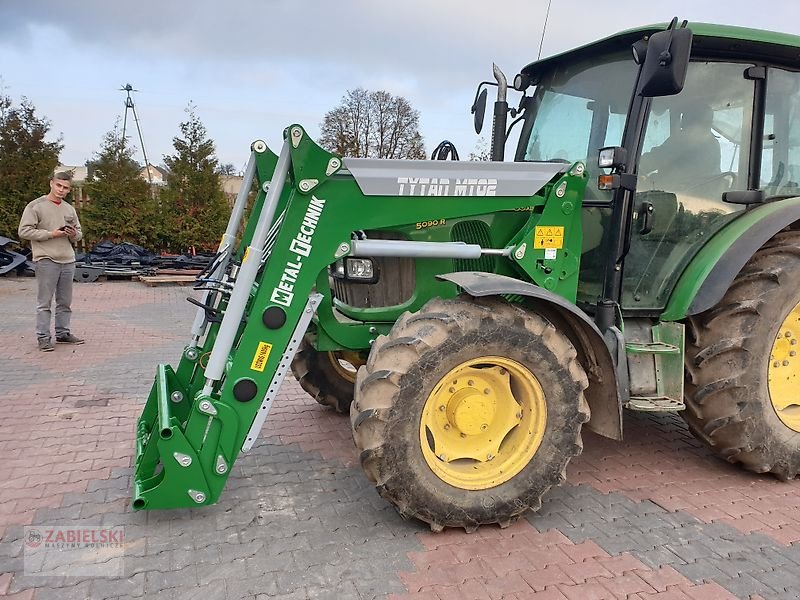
(473,232)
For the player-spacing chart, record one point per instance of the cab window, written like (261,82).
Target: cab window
(780,160)
(695,148)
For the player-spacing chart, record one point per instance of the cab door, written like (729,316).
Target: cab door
(696,146)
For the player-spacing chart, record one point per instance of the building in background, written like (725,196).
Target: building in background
(158,176)
(79,174)
(230,186)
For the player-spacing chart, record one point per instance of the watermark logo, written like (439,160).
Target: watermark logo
(33,538)
(75,551)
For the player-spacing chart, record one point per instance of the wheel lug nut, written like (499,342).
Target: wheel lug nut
(470,383)
(446,426)
(786,363)
(793,341)
(484,427)
(788,334)
(792,353)
(486,391)
(776,364)
(452,390)
(442,407)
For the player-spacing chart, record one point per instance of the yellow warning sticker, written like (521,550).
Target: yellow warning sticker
(246,254)
(548,237)
(260,359)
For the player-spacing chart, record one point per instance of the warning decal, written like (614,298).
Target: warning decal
(548,237)
(260,359)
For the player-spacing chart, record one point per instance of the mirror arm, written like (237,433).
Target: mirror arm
(478,93)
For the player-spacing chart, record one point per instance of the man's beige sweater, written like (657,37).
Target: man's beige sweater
(39,219)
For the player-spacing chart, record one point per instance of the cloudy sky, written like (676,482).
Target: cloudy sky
(251,67)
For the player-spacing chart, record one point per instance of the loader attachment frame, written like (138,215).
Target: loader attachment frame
(264,292)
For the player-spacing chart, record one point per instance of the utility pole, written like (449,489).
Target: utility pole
(128,88)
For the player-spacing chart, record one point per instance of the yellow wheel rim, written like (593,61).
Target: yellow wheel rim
(784,371)
(483,423)
(346,364)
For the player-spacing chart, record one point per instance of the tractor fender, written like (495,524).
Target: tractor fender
(604,393)
(708,276)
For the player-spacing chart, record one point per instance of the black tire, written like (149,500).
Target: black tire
(729,405)
(322,380)
(403,373)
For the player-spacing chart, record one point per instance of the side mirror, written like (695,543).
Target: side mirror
(665,63)
(479,110)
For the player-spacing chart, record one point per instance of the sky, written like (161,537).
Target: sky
(252,67)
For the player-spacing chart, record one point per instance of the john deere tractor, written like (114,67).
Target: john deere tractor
(641,252)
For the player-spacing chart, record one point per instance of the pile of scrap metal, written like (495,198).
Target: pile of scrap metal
(14,262)
(127,260)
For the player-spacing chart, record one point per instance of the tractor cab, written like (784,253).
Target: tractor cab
(695,157)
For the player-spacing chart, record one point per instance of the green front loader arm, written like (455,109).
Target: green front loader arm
(200,416)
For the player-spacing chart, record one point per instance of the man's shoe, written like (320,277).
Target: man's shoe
(46,345)
(68,339)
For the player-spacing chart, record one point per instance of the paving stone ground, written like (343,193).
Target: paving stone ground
(654,518)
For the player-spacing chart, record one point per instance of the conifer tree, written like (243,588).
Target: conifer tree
(122,207)
(194,205)
(27,161)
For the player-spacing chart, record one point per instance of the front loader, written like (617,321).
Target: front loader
(472,317)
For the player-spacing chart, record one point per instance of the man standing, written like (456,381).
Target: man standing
(52,225)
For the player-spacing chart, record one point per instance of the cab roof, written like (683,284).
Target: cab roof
(709,41)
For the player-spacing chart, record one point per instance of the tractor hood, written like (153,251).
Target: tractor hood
(381,177)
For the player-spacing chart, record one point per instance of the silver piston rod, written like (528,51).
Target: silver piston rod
(405,249)
(226,245)
(247,275)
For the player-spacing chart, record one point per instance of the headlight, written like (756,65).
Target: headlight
(357,270)
(612,157)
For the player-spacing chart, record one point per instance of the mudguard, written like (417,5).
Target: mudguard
(710,273)
(607,386)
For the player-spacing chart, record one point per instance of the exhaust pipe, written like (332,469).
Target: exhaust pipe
(500,118)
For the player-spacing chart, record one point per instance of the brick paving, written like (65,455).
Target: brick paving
(656,517)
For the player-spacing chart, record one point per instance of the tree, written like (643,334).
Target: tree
(481,151)
(227,169)
(121,207)
(373,125)
(27,161)
(193,202)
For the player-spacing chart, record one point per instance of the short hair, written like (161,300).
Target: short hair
(63,176)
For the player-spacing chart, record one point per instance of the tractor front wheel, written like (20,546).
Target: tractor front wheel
(468,412)
(743,365)
(328,377)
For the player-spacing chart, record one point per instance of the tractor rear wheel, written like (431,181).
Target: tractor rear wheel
(743,365)
(468,411)
(328,377)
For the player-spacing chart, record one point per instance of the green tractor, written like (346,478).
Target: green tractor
(641,252)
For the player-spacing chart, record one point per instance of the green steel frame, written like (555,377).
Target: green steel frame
(194,425)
